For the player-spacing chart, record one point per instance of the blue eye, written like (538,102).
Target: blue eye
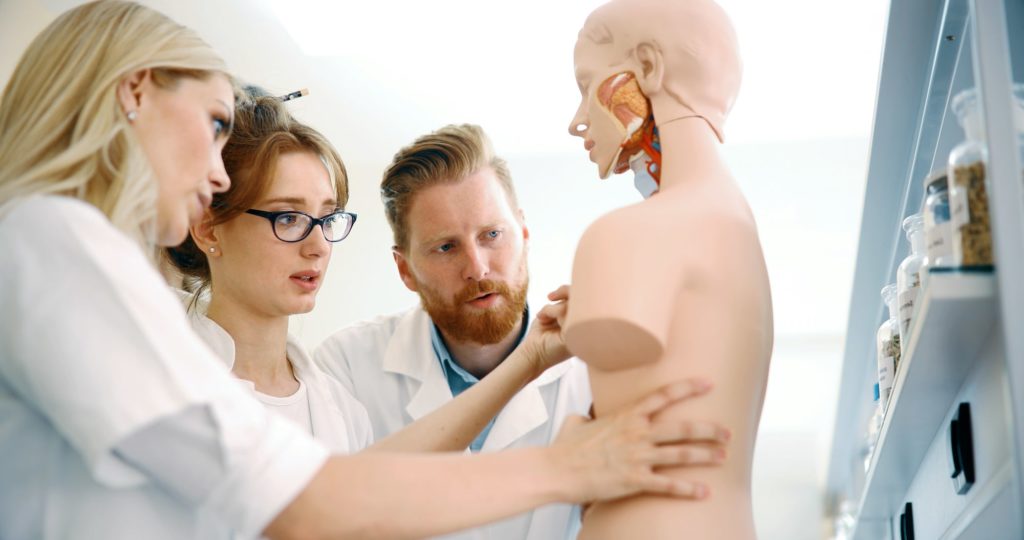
(493,234)
(220,128)
(287,219)
(445,248)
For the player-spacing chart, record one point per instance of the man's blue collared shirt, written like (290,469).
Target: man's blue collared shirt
(459,380)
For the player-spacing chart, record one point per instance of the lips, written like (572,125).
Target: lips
(308,280)
(588,145)
(485,300)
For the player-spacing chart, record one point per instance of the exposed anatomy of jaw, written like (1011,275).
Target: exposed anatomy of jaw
(483,312)
(620,96)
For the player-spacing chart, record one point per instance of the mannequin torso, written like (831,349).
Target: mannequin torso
(670,288)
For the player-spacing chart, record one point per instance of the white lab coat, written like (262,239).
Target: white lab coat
(339,421)
(94,349)
(390,366)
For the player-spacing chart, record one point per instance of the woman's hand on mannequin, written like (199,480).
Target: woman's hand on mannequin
(544,345)
(616,456)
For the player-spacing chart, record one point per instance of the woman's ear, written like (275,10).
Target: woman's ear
(205,237)
(651,68)
(131,88)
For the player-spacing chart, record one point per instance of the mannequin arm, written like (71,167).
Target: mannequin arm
(623,295)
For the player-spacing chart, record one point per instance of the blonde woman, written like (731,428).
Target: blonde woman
(116,421)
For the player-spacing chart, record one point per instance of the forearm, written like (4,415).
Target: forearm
(381,495)
(453,426)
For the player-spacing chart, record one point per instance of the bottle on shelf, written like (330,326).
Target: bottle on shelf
(888,346)
(908,275)
(968,192)
(938,232)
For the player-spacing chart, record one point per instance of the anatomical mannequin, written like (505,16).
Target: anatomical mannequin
(674,286)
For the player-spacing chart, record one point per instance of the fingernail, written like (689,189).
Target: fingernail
(725,435)
(720,454)
(700,491)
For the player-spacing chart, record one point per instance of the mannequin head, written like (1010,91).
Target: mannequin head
(683,56)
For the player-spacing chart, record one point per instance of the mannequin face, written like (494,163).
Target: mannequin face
(612,109)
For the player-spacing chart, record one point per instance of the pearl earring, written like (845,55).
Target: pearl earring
(132,115)
(212,249)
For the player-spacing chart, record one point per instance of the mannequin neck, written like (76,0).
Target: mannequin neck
(689,153)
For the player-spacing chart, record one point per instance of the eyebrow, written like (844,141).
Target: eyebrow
(436,239)
(299,200)
(451,236)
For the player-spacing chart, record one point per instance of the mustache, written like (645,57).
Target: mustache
(482,287)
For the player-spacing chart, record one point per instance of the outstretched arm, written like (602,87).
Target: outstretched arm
(453,426)
(382,495)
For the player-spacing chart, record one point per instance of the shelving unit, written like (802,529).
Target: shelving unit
(967,323)
(931,372)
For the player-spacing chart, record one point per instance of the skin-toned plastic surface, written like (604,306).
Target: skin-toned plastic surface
(674,286)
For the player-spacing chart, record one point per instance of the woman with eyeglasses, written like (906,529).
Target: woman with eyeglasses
(260,255)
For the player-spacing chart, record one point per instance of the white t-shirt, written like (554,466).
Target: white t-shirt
(294,407)
(333,415)
(94,351)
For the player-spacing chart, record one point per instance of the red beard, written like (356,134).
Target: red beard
(484,326)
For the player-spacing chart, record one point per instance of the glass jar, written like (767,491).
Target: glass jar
(888,347)
(968,193)
(968,196)
(908,275)
(938,232)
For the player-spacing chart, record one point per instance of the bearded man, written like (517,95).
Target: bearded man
(461,244)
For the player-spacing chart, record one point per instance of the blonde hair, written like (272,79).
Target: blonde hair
(62,130)
(445,156)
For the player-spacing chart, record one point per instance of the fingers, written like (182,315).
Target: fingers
(667,395)
(660,484)
(673,431)
(559,294)
(552,313)
(689,455)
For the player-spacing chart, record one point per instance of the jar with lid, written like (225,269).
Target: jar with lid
(967,170)
(938,232)
(968,196)
(908,275)
(888,346)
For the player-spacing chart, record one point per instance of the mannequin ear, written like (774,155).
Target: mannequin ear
(131,88)
(651,72)
(204,235)
(403,269)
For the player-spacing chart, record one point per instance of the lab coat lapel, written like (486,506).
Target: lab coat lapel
(323,410)
(411,355)
(525,412)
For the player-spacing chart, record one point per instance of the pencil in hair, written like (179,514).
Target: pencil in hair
(295,94)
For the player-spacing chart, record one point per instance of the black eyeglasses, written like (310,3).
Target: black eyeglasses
(293,226)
